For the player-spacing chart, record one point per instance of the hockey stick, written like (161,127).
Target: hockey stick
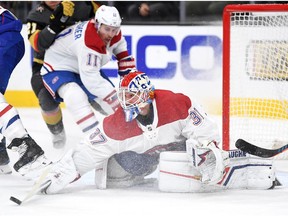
(258,151)
(37,187)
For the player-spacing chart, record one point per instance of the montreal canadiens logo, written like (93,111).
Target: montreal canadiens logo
(55,79)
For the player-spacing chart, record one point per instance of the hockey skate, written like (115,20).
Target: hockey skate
(4,159)
(59,139)
(58,135)
(31,157)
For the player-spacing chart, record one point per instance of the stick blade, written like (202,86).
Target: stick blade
(15,200)
(40,185)
(255,150)
(245,146)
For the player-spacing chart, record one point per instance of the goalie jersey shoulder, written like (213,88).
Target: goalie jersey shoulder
(171,107)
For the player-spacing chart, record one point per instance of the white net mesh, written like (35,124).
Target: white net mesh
(258,77)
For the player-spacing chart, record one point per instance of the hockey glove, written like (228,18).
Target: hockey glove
(60,16)
(208,159)
(61,174)
(126,65)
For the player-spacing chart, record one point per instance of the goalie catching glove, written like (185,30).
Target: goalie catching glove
(208,159)
(60,16)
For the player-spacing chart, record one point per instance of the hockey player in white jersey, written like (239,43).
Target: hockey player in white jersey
(71,68)
(150,122)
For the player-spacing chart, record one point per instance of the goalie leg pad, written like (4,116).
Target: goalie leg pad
(243,172)
(177,175)
(248,172)
(101,175)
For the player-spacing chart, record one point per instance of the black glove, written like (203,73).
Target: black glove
(60,16)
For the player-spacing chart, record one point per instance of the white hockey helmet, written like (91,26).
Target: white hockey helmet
(108,15)
(135,91)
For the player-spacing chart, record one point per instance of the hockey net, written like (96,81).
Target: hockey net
(255,74)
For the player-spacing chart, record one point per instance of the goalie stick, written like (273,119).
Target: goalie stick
(259,151)
(37,187)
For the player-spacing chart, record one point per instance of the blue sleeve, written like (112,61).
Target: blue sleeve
(9,23)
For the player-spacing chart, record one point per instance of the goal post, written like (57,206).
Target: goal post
(255,74)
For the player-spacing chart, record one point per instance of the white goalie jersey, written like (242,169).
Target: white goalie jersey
(176,120)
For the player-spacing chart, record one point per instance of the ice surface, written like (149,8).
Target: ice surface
(82,199)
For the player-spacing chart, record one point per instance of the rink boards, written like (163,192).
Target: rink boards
(184,59)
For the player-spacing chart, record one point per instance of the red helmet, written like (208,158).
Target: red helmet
(135,91)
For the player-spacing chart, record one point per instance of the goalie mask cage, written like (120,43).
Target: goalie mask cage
(255,74)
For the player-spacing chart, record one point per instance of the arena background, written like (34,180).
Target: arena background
(185,59)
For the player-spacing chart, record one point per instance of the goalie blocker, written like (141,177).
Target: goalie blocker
(243,172)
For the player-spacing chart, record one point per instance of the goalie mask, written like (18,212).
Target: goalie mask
(107,15)
(135,92)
